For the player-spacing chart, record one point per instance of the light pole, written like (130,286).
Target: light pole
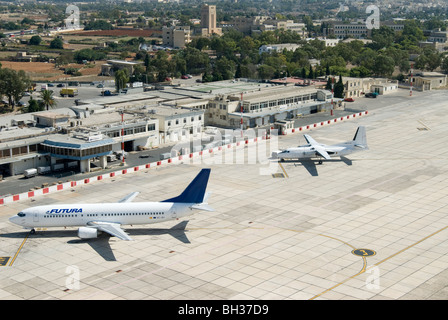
(122,138)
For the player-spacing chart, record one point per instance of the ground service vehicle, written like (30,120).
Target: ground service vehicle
(69,92)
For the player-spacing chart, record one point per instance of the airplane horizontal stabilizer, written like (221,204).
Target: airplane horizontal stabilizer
(202,206)
(129,197)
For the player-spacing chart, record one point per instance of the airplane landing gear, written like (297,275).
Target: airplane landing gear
(33,231)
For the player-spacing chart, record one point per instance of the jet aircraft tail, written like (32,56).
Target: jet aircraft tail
(195,192)
(360,138)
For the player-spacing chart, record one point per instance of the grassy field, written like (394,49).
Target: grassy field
(43,71)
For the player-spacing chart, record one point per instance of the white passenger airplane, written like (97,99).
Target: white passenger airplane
(314,150)
(108,217)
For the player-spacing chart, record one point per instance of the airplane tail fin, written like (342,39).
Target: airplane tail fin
(195,192)
(360,138)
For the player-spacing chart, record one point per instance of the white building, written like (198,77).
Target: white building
(278,47)
(176,36)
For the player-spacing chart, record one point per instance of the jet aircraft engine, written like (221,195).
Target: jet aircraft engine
(87,233)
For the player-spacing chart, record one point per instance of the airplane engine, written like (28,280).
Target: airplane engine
(87,233)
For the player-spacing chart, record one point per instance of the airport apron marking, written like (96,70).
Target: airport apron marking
(364,252)
(4,261)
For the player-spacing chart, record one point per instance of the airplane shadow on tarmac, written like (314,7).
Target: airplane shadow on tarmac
(310,165)
(101,244)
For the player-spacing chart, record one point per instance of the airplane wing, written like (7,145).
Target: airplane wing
(318,147)
(113,229)
(129,197)
(310,140)
(323,153)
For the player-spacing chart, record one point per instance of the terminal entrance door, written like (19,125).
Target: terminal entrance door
(129,146)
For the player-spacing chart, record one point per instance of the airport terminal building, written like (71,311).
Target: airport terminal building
(81,138)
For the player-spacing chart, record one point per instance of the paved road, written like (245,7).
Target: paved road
(87,91)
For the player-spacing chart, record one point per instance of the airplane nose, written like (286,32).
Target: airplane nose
(13,219)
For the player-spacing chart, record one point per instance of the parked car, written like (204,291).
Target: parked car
(349,99)
(60,85)
(370,95)
(100,85)
(51,85)
(184,77)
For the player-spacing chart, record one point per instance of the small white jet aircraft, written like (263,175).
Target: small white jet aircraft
(108,217)
(321,151)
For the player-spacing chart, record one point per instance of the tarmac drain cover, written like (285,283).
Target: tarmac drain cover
(364,252)
(278,175)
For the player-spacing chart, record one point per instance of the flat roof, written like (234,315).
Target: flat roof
(72,142)
(133,63)
(267,111)
(277,93)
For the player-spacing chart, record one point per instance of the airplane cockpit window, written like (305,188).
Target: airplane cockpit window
(21,214)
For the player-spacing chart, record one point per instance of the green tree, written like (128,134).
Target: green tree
(89,55)
(121,79)
(265,72)
(444,65)
(48,99)
(382,37)
(13,85)
(224,69)
(34,106)
(238,72)
(311,73)
(56,44)
(328,86)
(339,88)
(383,65)
(98,25)
(35,40)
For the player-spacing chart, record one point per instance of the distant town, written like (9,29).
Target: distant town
(81,82)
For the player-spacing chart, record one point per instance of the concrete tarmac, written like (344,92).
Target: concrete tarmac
(370,227)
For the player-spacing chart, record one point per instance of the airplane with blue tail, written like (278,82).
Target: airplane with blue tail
(109,217)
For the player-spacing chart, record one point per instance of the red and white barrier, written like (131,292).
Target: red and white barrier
(175,160)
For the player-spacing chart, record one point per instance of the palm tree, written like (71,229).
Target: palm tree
(48,99)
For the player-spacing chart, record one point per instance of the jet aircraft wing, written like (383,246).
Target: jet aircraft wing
(129,197)
(113,229)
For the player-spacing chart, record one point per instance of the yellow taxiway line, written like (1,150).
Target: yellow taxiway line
(18,251)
